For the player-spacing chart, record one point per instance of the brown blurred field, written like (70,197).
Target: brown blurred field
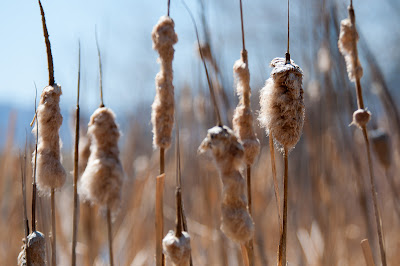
(330,206)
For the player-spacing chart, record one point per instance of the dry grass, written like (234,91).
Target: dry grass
(330,205)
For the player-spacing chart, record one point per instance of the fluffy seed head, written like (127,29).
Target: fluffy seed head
(177,248)
(36,250)
(282,104)
(162,115)
(102,179)
(50,172)
(243,116)
(236,222)
(381,143)
(226,149)
(348,39)
(361,118)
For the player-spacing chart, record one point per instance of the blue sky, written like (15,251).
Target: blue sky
(129,63)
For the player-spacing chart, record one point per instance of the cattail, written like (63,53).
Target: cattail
(282,105)
(50,172)
(162,116)
(381,143)
(243,116)
(36,250)
(361,118)
(102,180)
(177,248)
(228,155)
(348,39)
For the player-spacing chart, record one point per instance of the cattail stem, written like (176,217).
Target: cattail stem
(249,245)
(34,171)
(276,187)
(374,199)
(53,229)
(75,220)
(110,249)
(169,3)
(210,86)
(282,242)
(245,256)
(367,252)
(159,219)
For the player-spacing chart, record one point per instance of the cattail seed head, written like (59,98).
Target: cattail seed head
(348,39)
(381,144)
(36,248)
(361,118)
(282,104)
(236,221)
(177,248)
(162,115)
(102,179)
(50,172)
(243,116)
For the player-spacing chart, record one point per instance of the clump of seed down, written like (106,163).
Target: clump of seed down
(347,44)
(36,250)
(281,103)
(361,118)
(101,181)
(177,248)
(50,172)
(162,115)
(236,222)
(243,116)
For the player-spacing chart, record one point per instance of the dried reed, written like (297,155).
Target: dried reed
(348,47)
(75,217)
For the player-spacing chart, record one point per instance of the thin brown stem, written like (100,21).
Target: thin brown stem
(159,219)
(241,20)
(276,186)
(169,3)
(282,242)
(210,86)
(75,220)
(378,219)
(245,256)
(34,170)
(48,46)
(25,217)
(110,249)
(178,223)
(53,229)
(249,245)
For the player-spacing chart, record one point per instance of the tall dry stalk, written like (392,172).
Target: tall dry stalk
(102,179)
(162,115)
(348,47)
(282,115)
(243,125)
(75,217)
(176,244)
(51,173)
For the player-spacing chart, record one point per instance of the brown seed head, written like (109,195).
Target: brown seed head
(243,124)
(101,181)
(348,39)
(36,250)
(236,222)
(361,118)
(282,104)
(50,172)
(162,115)
(177,249)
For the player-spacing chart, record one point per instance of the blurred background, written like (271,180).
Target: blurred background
(330,210)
